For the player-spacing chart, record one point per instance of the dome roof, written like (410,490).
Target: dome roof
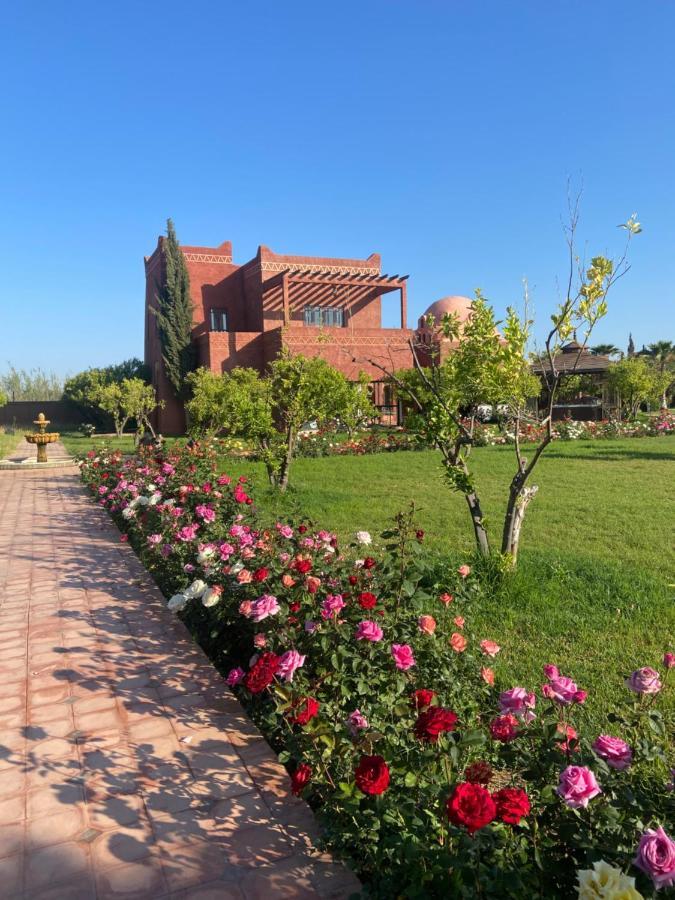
(461,306)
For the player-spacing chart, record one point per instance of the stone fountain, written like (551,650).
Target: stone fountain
(42,437)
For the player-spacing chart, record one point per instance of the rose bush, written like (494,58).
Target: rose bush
(427,776)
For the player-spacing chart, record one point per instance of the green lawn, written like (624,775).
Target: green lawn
(8,443)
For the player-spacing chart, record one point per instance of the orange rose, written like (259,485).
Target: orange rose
(458,642)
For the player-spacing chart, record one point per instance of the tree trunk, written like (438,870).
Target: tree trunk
(479,529)
(519,499)
(286,462)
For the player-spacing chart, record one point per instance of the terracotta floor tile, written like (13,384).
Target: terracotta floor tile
(13,809)
(56,864)
(45,831)
(124,845)
(11,875)
(139,880)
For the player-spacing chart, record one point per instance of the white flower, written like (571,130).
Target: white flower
(154,499)
(152,487)
(196,589)
(128,512)
(205,555)
(236,568)
(604,882)
(363,537)
(358,563)
(211,596)
(177,602)
(142,501)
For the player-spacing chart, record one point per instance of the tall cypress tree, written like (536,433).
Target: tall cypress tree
(174,314)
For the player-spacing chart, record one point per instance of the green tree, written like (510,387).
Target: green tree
(3,398)
(636,382)
(132,398)
(662,355)
(487,368)
(270,410)
(82,390)
(356,405)
(605,350)
(22,384)
(174,314)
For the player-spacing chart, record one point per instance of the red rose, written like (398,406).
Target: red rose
(504,728)
(302,529)
(433,722)
(512,804)
(294,606)
(261,574)
(422,698)
(303,566)
(353,580)
(367,600)
(372,775)
(301,778)
(471,806)
(262,673)
(368,562)
(419,534)
(478,773)
(303,710)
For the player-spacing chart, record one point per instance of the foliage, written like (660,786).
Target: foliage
(572,386)
(3,398)
(173,313)
(21,384)
(82,390)
(662,356)
(270,410)
(637,382)
(343,638)
(605,350)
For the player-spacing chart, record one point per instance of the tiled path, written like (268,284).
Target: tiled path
(127,769)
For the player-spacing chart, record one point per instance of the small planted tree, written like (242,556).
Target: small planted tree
(132,398)
(636,382)
(492,368)
(173,312)
(270,410)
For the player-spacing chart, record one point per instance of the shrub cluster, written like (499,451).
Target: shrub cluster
(365,675)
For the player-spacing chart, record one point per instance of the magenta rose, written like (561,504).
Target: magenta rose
(288,663)
(577,785)
(518,702)
(561,689)
(614,751)
(644,681)
(669,660)
(655,855)
(368,631)
(403,656)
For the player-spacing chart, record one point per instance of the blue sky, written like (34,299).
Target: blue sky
(440,134)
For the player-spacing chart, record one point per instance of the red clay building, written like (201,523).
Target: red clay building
(245,314)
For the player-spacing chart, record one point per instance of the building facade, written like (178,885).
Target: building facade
(244,315)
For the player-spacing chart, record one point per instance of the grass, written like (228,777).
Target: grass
(9,443)
(593,590)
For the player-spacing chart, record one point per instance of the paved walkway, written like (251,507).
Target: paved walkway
(127,768)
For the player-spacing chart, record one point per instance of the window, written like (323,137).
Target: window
(218,320)
(332,316)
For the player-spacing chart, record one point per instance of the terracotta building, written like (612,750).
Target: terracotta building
(245,314)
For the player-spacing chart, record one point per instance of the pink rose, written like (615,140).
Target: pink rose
(490,648)
(403,656)
(288,663)
(551,671)
(263,607)
(259,641)
(427,624)
(459,621)
(369,631)
(669,660)
(235,676)
(356,722)
(644,681)
(246,608)
(244,577)
(614,751)
(518,702)
(655,855)
(154,539)
(287,580)
(464,571)
(446,599)
(458,642)
(577,785)
(560,689)
(331,606)
(205,513)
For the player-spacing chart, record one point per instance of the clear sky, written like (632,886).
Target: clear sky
(440,134)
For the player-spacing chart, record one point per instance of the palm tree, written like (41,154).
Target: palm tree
(604,350)
(662,354)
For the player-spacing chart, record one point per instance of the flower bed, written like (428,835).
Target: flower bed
(367,679)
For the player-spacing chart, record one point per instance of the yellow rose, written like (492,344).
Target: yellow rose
(604,882)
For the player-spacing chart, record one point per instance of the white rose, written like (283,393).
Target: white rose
(154,499)
(196,589)
(236,568)
(210,597)
(177,602)
(128,512)
(363,537)
(143,501)
(205,555)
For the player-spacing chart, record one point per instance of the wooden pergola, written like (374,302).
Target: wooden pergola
(302,287)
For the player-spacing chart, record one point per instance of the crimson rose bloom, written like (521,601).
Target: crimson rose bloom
(434,721)
(303,710)
(353,580)
(512,805)
(262,673)
(478,773)
(261,574)
(367,600)
(368,562)
(422,698)
(372,775)
(504,728)
(303,566)
(471,806)
(300,778)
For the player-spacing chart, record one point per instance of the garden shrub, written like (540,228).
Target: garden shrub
(362,670)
